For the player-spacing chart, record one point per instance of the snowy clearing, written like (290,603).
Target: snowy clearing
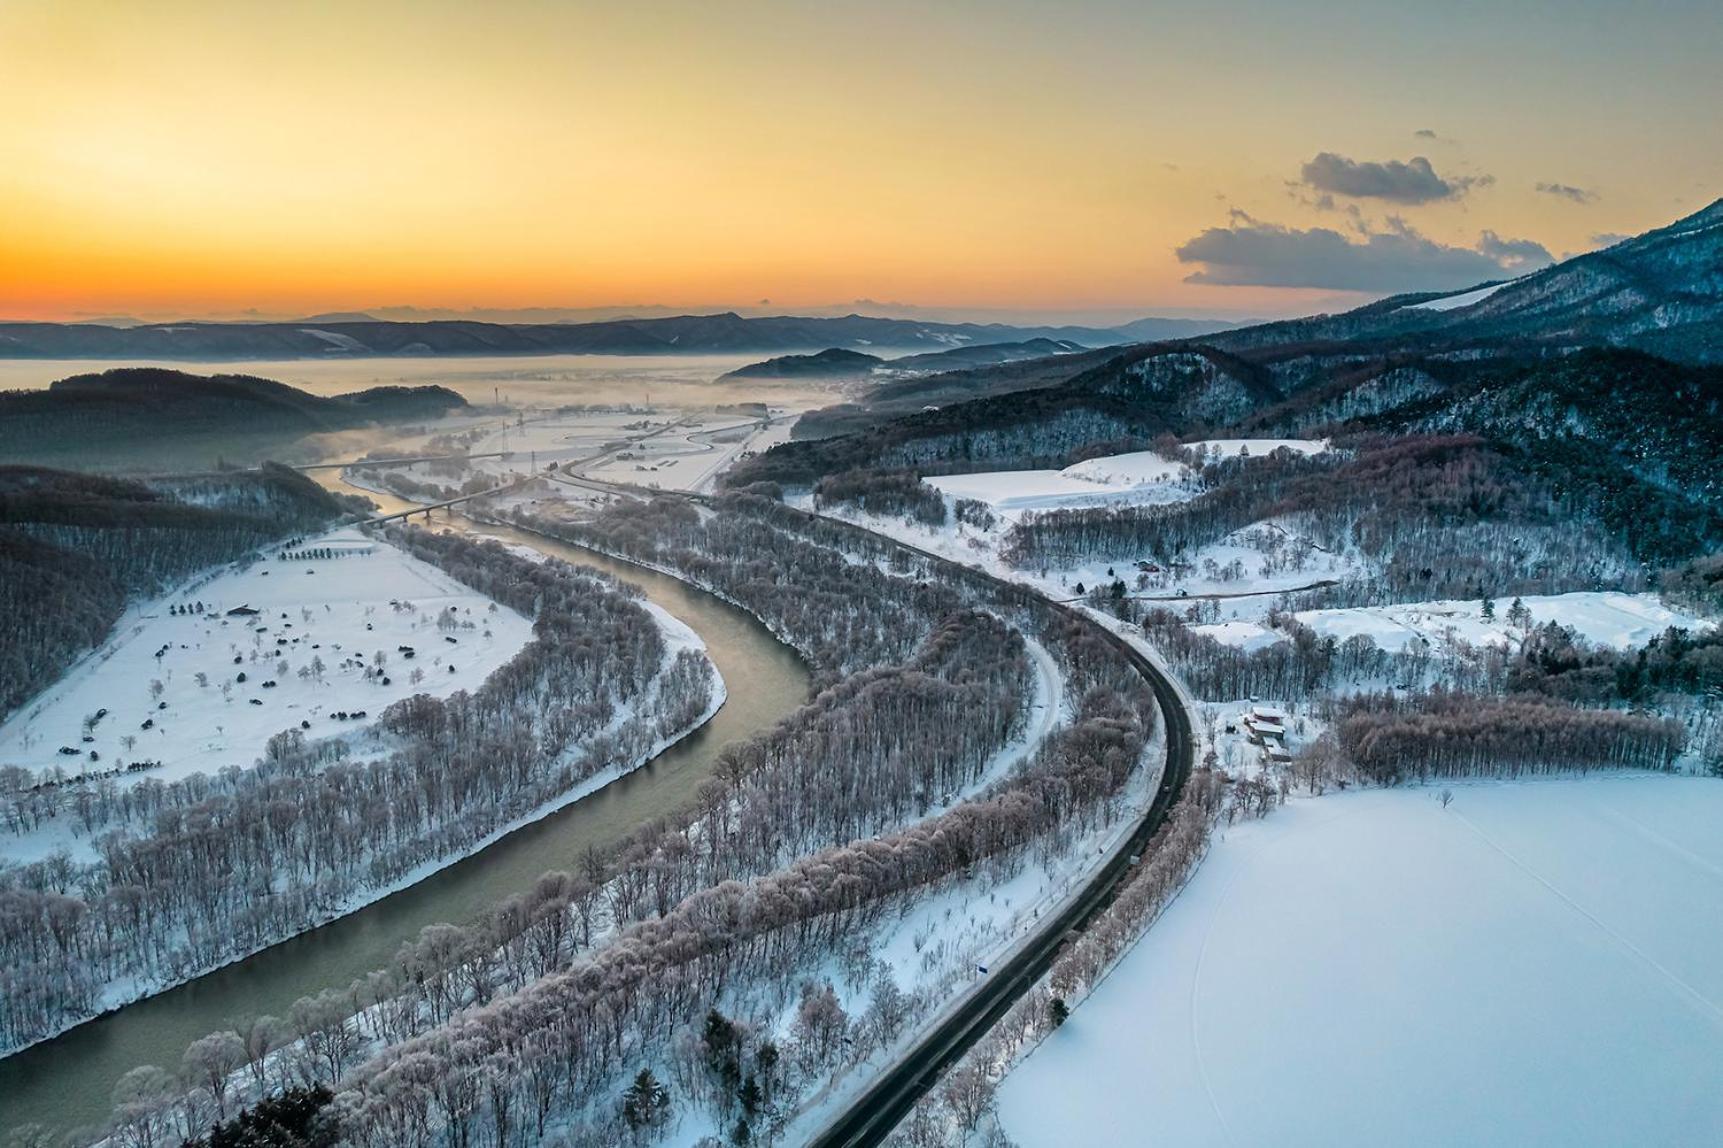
(1247,636)
(1141,477)
(1265,558)
(1455,302)
(1133,469)
(1535,964)
(693,453)
(357,612)
(1609,618)
(1245,572)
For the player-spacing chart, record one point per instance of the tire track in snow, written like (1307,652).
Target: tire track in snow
(1695,999)
(1646,832)
(1197,1057)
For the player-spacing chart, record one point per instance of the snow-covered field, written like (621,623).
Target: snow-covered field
(1244,572)
(1535,964)
(1138,478)
(694,453)
(1455,302)
(1606,618)
(1265,558)
(350,614)
(1247,636)
(669,449)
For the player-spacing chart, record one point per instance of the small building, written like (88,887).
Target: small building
(1264,732)
(243,612)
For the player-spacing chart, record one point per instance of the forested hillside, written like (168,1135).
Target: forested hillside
(74,548)
(1442,515)
(1658,292)
(1490,368)
(1125,402)
(887,401)
(140,414)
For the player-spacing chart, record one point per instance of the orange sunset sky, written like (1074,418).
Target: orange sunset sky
(169,159)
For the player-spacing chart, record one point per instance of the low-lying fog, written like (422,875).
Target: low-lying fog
(536,380)
(522,383)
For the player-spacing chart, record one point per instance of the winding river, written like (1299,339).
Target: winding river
(65,1083)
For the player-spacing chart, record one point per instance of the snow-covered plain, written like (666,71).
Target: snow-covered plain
(1536,964)
(343,611)
(1607,618)
(692,454)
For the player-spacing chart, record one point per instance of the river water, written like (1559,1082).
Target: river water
(66,1083)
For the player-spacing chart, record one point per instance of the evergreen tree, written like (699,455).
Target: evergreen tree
(751,1095)
(646,1102)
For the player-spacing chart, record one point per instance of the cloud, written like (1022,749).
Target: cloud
(1426,134)
(1604,239)
(1249,252)
(1515,255)
(1568,191)
(1411,182)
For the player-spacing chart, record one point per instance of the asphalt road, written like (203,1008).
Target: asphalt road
(884,1105)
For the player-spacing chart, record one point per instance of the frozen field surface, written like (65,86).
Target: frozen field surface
(1605,618)
(693,453)
(351,613)
(1536,964)
(1140,477)
(1247,636)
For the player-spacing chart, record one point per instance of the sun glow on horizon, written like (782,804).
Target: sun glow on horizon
(201,158)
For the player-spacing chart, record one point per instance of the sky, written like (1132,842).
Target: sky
(1075,160)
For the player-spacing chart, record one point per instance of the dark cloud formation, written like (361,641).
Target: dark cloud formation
(1414,181)
(1569,192)
(1250,252)
(1425,133)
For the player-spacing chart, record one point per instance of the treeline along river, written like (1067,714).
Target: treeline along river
(66,1082)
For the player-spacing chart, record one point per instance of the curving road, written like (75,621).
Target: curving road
(873,1116)
(883,1106)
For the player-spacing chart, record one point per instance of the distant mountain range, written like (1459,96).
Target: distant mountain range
(728,333)
(1602,374)
(836,362)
